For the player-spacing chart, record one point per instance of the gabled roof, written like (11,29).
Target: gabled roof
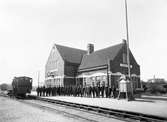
(100,57)
(70,55)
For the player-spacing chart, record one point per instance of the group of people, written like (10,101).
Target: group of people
(78,91)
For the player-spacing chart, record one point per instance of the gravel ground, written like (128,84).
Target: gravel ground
(18,111)
(14,111)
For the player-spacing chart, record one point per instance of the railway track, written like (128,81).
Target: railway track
(57,110)
(66,111)
(118,114)
(107,112)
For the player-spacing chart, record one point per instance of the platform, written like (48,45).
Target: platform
(142,105)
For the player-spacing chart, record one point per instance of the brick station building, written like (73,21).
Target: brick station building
(69,66)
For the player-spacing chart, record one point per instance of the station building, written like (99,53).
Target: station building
(69,66)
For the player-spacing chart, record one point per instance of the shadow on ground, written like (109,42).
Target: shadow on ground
(153,98)
(144,100)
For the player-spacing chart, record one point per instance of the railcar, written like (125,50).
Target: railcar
(21,86)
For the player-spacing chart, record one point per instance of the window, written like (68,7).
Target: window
(104,78)
(56,63)
(93,79)
(84,79)
(97,78)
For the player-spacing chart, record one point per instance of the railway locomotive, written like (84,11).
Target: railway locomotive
(21,86)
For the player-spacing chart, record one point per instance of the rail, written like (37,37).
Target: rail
(108,111)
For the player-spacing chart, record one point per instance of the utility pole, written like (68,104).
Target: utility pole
(127,36)
(38,78)
(108,69)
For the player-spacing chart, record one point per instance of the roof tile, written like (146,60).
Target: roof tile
(100,57)
(70,55)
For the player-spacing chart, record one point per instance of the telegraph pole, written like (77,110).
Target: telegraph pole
(38,78)
(127,36)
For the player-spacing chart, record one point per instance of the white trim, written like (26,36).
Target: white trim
(116,74)
(92,75)
(98,74)
(68,77)
(93,68)
(53,70)
(82,76)
(119,74)
(50,78)
(134,75)
(125,65)
(63,76)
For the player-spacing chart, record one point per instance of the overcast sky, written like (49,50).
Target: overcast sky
(29,28)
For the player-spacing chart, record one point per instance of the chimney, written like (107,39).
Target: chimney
(90,48)
(124,41)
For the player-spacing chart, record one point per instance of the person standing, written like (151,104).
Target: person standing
(107,91)
(93,89)
(96,90)
(84,89)
(114,91)
(102,89)
(37,90)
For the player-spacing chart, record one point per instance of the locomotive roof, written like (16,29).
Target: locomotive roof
(22,77)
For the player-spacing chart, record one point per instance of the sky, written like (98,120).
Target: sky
(29,29)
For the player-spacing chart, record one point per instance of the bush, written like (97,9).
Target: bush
(3,87)
(156,88)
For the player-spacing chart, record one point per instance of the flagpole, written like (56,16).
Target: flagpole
(127,36)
